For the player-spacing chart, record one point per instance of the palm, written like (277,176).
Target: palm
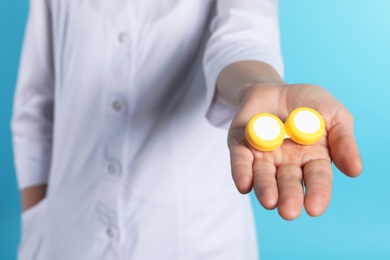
(278,176)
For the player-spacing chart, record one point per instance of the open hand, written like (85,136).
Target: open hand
(279,177)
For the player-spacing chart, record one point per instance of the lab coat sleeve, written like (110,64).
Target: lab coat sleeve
(241,30)
(32,120)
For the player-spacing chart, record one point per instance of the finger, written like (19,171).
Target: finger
(241,160)
(266,188)
(317,175)
(342,144)
(289,178)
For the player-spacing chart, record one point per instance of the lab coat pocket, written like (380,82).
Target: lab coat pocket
(32,232)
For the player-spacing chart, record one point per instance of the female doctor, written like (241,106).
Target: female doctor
(118,130)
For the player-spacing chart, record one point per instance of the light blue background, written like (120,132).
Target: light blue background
(341,45)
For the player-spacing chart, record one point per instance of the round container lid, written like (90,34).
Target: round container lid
(305,126)
(265,132)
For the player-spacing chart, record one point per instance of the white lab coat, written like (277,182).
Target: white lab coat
(110,111)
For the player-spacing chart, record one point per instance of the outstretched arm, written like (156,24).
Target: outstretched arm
(278,176)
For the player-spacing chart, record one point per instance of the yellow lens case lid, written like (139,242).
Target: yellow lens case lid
(265,132)
(305,126)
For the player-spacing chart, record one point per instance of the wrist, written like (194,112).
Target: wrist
(272,87)
(237,79)
(261,98)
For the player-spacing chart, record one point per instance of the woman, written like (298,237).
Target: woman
(116,146)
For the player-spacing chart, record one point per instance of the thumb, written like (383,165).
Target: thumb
(342,144)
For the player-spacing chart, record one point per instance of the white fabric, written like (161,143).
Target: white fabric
(110,112)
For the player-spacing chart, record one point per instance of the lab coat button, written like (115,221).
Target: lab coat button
(113,168)
(124,37)
(117,105)
(111,232)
